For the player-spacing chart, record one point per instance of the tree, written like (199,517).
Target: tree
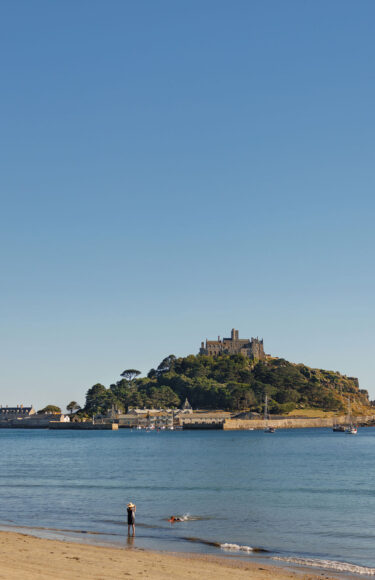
(130,374)
(163,397)
(73,406)
(241,396)
(50,409)
(98,399)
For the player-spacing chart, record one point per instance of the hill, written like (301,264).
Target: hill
(233,383)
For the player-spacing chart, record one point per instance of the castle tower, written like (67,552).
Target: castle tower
(234,334)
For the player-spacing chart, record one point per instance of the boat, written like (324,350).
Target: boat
(351,428)
(267,428)
(338,428)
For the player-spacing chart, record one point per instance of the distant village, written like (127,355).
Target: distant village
(21,417)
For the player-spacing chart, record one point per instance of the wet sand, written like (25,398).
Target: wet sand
(27,557)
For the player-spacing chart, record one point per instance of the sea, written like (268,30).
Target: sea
(295,497)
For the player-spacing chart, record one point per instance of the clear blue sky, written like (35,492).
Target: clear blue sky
(170,170)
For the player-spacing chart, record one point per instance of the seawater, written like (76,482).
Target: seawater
(299,494)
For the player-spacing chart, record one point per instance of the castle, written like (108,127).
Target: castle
(234,345)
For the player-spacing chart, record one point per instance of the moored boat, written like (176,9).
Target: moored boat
(351,428)
(267,428)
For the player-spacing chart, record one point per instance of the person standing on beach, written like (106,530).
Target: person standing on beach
(131,509)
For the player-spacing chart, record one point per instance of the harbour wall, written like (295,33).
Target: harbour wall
(290,423)
(87,426)
(202,425)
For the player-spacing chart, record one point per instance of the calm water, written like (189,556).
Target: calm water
(305,493)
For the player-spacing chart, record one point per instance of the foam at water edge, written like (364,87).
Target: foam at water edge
(328,564)
(236,547)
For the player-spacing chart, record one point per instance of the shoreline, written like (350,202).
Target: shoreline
(259,564)
(26,555)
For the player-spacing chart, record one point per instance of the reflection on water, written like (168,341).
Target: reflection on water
(130,541)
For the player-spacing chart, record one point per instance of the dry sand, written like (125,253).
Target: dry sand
(29,558)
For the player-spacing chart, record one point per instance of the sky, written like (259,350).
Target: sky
(171,170)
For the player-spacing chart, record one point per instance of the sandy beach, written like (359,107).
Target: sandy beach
(29,558)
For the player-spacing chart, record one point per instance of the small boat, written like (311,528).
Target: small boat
(267,428)
(351,428)
(339,429)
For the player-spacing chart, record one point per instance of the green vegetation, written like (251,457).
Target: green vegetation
(72,406)
(50,409)
(232,383)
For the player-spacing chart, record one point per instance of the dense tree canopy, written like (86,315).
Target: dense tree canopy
(50,409)
(229,382)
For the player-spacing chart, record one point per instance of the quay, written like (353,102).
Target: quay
(59,426)
(227,423)
(84,426)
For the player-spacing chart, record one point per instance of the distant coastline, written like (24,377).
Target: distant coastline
(195,421)
(231,379)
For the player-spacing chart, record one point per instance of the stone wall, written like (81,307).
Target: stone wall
(87,426)
(290,423)
(257,350)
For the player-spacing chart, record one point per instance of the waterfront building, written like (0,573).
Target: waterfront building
(19,412)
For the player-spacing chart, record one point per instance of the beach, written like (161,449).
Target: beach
(26,557)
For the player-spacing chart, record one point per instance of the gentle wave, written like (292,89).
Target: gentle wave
(328,564)
(236,548)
